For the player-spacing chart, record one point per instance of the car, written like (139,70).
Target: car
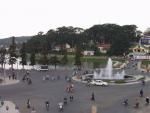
(43,68)
(99,83)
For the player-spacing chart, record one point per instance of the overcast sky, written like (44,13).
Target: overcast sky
(28,17)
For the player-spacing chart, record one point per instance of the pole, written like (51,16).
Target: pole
(4,72)
(17,69)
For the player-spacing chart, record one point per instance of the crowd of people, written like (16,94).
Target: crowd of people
(141,95)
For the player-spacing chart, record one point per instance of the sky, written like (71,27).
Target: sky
(28,17)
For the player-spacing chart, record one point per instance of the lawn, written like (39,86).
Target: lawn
(145,62)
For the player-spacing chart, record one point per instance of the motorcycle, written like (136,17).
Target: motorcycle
(47,105)
(125,102)
(60,106)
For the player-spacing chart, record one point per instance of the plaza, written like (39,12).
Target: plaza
(107,99)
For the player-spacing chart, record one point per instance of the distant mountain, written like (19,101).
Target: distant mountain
(7,41)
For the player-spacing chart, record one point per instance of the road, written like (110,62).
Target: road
(107,99)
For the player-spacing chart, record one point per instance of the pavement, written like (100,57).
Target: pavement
(11,108)
(8,81)
(107,99)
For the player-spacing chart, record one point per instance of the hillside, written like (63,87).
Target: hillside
(18,40)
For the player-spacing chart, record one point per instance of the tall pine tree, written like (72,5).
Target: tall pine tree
(23,55)
(12,53)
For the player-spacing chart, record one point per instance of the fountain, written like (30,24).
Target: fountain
(107,73)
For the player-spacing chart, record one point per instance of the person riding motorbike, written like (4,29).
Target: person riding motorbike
(60,106)
(125,102)
(47,105)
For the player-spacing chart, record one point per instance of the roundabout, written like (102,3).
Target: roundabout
(111,76)
(107,99)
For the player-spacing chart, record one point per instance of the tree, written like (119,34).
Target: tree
(12,53)
(64,59)
(77,58)
(2,56)
(147,32)
(44,59)
(54,60)
(44,56)
(32,59)
(119,46)
(23,55)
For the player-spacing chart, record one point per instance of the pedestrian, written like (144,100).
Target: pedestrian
(13,75)
(28,104)
(58,77)
(33,110)
(137,103)
(125,102)
(147,100)
(143,82)
(17,109)
(7,108)
(93,97)
(141,93)
(44,78)
(65,100)
(71,98)
(47,77)
(29,81)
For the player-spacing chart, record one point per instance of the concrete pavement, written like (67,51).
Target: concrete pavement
(107,99)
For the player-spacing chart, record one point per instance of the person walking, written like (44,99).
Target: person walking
(141,93)
(136,104)
(147,100)
(143,82)
(71,98)
(33,110)
(93,97)
(28,104)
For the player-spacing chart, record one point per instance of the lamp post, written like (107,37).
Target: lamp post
(17,67)
(4,70)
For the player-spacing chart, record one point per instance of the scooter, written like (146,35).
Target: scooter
(60,106)
(125,102)
(47,105)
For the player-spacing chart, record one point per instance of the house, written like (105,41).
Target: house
(103,48)
(60,47)
(142,50)
(88,53)
(145,41)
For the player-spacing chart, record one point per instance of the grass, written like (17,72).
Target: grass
(142,78)
(97,60)
(146,62)
(116,81)
(120,81)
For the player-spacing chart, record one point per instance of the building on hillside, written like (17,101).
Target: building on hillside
(142,50)
(88,53)
(60,47)
(145,41)
(103,48)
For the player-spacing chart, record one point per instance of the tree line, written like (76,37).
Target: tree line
(119,37)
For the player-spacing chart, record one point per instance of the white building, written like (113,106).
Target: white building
(88,53)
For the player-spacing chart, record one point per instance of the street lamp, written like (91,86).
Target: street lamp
(4,70)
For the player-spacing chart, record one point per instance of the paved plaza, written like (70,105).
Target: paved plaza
(107,99)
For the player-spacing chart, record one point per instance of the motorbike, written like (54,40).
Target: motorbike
(60,106)
(47,105)
(125,102)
